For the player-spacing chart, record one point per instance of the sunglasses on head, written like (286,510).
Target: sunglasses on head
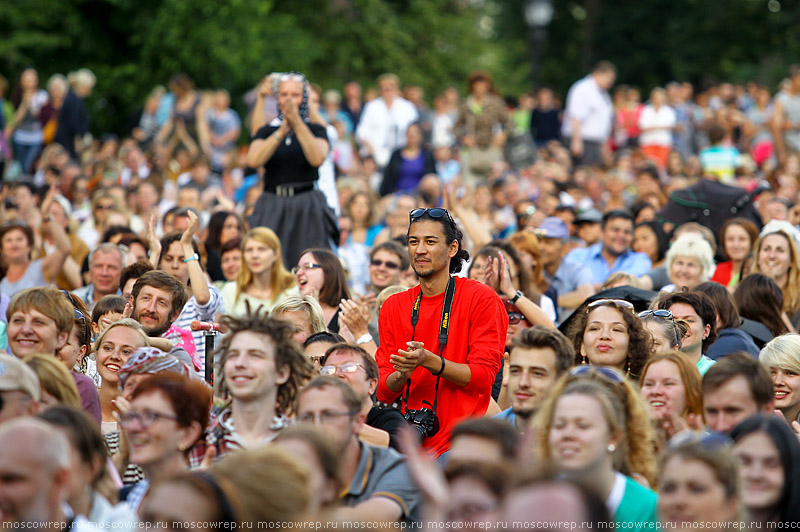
(515,317)
(436,213)
(710,440)
(664,314)
(604,371)
(618,303)
(389,264)
(77,314)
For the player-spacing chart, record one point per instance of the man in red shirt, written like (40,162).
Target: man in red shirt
(455,379)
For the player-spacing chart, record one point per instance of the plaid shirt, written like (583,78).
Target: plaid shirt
(222,435)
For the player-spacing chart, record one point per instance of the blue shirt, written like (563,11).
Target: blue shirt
(507,415)
(632,262)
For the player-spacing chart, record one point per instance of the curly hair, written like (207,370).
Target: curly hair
(287,353)
(625,412)
(640,341)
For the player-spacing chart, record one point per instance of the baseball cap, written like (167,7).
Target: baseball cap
(552,227)
(590,216)
(16,375)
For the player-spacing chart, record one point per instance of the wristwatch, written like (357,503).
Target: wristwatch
(193,257)
(516,297)
(364,339)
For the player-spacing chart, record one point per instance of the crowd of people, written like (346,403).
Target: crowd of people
(356,308)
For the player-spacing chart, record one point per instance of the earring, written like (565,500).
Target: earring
(629,366)
(584,361)
(181,448)
(612,447)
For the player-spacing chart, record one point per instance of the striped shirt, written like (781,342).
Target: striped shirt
(193,311)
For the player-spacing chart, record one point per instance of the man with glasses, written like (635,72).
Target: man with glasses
(356,367)
(451,381)
(261,368)
(538,357)
(378,485)
(105,270)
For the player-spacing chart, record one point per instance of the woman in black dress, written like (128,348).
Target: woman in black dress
(291,149)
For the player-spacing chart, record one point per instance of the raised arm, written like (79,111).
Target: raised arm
(197,278)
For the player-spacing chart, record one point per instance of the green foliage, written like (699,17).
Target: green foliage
(133,45)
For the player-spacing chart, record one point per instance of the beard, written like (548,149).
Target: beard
(155,331)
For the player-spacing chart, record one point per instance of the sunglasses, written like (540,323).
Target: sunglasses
(515,317)
(436,213)
(664,314)
(389,264)
(77,314)
(618,303)
(604,371)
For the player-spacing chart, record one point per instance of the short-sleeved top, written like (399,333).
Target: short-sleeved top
(632,505)
(382,472)
(33,277)
(192,310)
(289,164)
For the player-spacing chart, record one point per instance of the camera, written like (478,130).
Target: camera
(424,421)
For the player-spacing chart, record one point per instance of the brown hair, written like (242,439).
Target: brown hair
(45,299)
(334,287)
(541,337)
(269,485)
(163,281)
(287,353)
(734,365)
(744,223)
(640,341)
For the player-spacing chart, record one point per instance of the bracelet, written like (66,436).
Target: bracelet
(193,257)
(441,370)
(516,297)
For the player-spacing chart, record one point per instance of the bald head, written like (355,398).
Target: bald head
(34,471)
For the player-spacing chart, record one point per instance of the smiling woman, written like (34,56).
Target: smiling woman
(781,358)
(112,348)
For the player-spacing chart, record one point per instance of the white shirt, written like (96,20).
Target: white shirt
(663,118)
(384,128)
(592,107)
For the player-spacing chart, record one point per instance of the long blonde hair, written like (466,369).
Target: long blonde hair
(791,293)
(279,277)
(625,412)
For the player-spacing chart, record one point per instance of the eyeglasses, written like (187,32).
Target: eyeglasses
(435,213)
(389,264)
(306,266)
(325,417)
(665,314)
(515,317)
(350,367)
(618,303)
(604,371)
(145,418)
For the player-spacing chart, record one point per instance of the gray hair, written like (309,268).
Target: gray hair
(108,247)
(305,304)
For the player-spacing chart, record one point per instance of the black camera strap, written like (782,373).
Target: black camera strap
(444,327)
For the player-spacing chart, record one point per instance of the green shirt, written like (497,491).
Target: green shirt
(637,508)
(704,364)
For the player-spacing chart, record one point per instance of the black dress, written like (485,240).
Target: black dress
(290,205)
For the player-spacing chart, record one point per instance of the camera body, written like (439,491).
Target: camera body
(424,421)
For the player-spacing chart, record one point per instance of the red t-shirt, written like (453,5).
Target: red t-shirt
(477,337)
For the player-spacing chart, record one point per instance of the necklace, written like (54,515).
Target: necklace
(288,140)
